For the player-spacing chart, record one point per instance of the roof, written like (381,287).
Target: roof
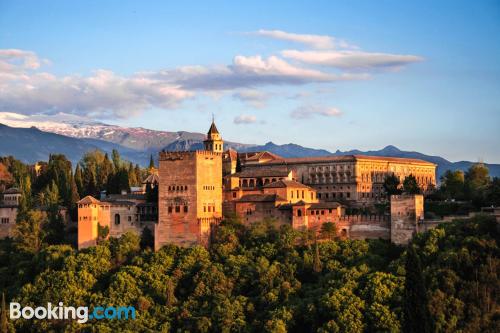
(231,154)
(12,190)
(152,179)
(262,172)
(325,205)
(344,158)
(212,129)
(119,202)
(89,200)
(286,183)
(257,155)
(260,198)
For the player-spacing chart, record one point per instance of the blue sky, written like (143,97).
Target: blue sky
(423,76)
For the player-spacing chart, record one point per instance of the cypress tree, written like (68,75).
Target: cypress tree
(151,162)
(4,324)
(317,261)
(416,313)
(79,180)
(238,164)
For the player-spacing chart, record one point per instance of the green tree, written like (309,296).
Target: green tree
(79,180)
(452,184)
(115,155)
(317,266)
(410,185)
(4,321)
(29,234)
(477,180)
(329,230)
(416,313)
(151,162)
(391,185)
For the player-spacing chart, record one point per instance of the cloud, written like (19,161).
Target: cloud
(309,111)
(314,41)
(351,59)
(245,119)
(13,60)
(254,98)
(246,72)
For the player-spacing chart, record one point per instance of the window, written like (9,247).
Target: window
(170,209)
(117,219)
(177,209)
(299,212)
(130,218)
(302,194)
(5,220)
(348,194)
(185,209)
(234,194)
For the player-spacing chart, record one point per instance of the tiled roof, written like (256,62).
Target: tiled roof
(286,183)
(263,172)
(213,129)
(259,198)
(257,155)
(344,158)
(89,200)
(325,205)
(152,179)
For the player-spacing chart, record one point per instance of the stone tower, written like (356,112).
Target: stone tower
(214,141)
(407,213)
(190,194)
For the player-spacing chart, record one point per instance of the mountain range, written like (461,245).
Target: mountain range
(33,138)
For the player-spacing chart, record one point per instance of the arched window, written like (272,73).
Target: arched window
(299,212)
(117,219)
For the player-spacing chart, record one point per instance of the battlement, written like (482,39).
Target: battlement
(364,218)
(181,155)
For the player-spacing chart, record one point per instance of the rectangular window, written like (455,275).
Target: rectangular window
(177,209)
(170,209)
(185,209)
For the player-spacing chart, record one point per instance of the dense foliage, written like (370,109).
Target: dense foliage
(261,279)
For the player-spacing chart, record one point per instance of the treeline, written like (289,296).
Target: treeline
(263,279)
(50,188)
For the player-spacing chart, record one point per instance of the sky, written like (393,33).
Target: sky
(421,75)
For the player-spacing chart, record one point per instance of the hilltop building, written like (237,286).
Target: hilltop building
(196,189)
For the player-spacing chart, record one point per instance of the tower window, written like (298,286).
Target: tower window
(117,219)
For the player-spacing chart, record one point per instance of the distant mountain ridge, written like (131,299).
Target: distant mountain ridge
(137,144)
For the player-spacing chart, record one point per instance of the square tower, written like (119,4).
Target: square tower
(189,197)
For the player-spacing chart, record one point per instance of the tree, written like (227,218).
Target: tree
(29,233)
(238,163)
(317,267)
(79,180)
(391,185)
(477,180)
(151,163)
(493,192)
(452,184)
(115,155)
(132,179)
(4,321)
(329,230)
(410,185)
(415,311)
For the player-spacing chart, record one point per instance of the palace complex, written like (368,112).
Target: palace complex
(197,189)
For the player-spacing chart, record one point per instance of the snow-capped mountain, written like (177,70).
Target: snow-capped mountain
(79,127)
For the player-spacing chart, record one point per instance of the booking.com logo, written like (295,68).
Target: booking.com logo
(61,312)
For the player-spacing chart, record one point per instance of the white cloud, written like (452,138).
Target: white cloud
(351,59)
(245,72)
(245,119)
(309,111)
(254,98)
(315,41)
